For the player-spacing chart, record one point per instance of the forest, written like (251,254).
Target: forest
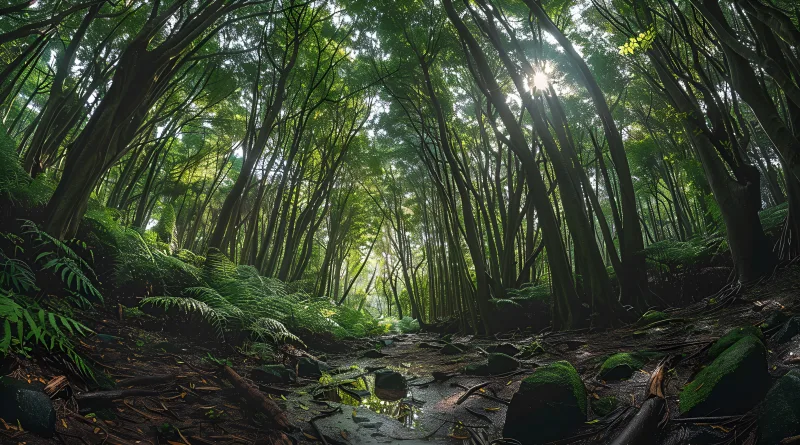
(399,222)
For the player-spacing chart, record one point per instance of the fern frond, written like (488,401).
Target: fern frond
(190,305)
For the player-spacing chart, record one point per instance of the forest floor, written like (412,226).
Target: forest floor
(186,399)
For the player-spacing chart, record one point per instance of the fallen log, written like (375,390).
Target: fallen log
(257,399)
(647,422)
(114,394)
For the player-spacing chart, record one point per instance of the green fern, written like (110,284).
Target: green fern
(24,324)
(71,272)
(190,306)
(16,274)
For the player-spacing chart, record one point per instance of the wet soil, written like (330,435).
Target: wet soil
(195,404)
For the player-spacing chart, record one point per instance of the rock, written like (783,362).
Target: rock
(732,337)
(718,388)
(604,405)
(651,317)
(779,416)
(451,349)
(308,367)
(549,405)
(788,331)
(425,345)
(272,374)
(386,342)
(495,364)
(27,404)
(390,385)
(620,366)
(529,350)
(504,348)
(373,353)
(774,319)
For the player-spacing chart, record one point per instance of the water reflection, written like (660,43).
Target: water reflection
(361,393)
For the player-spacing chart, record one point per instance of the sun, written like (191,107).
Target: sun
(540,81)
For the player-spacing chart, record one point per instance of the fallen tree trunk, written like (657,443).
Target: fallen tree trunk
(257,399)
(646,424)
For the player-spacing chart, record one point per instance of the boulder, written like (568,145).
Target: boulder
(549,405)
(390,385)
(788,331)
(620,366)
(272,374)
(732,337)
(718,388)
(651,317)
(495,364)
(451,349)
(504,348)
(779,416)
(604,405)
(28,405)
(774,319)
(308,367)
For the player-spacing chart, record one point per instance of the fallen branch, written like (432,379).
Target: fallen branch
(484,395)
(55,385)
(470,391)
(257,399)
(647,422)
(114,394)
(479,415)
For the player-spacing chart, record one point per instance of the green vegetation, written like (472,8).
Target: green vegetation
(731,337)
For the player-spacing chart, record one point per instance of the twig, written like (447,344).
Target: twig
(276,415)
(470,391)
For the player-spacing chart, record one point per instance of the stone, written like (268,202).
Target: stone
(620,366)
(27,404)
(718,388)
(549,405)
(308,367)
(732,337)
(788,331)
(604,405)
(495,364)
(373,353)
(774,319)
(451,349)
(779,416)
(390,385)
(504,348)
(651,317)
(272,374)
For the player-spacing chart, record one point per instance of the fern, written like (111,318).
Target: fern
(189,306)
(26,324)
(272,330)
(70,271)
(16,274)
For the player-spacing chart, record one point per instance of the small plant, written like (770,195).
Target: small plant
(218,361)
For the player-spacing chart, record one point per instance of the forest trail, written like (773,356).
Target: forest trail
(186,399)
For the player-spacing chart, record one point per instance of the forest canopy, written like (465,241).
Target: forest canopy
(434,159)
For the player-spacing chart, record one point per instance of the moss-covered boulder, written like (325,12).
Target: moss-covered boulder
(620,366)
(651,317)
(720,387)
(604,405)
(272,374)
(788,331)
(496,363)
(732,337)
(779,416)
(451,349)
(549,405)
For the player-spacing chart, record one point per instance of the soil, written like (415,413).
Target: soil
(193,403)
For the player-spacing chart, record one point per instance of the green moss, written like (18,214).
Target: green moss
(561,374)
(732,337)
(550,405)
(651,317)
(718,387)
(604,405)
(620,366)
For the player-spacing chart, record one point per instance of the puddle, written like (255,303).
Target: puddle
(361,393)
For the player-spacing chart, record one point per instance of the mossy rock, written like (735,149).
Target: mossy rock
(620,366)
(779,416)
(549,405)
(788,331)
(718,387)
(604,405)
(272,374)
(732,337)
(531,349)
(308,367)
(650,317)
(451,349)
(495,364)
(774,319)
